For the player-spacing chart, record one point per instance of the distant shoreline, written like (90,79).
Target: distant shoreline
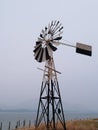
(16,110)
(32,110)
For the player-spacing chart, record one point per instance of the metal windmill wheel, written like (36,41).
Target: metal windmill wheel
(48,41)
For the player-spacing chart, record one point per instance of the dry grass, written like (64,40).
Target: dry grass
(73,125)
(82,125)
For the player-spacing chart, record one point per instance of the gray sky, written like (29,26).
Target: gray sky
(21,22)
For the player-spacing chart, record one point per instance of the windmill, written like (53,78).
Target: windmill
(50,109)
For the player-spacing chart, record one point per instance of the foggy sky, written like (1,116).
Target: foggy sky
(21,22)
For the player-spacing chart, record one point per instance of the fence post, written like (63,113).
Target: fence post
(24,123)
(16,125)
(9,126)
(1,126)
(19,123)
(29,123)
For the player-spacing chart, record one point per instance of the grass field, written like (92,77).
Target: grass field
(83,125)
(91,124)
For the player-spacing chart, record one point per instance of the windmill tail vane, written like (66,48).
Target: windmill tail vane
(50,108)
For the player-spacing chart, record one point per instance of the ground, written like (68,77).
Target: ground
(88,124)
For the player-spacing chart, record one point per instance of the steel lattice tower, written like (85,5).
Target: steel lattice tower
(50,109)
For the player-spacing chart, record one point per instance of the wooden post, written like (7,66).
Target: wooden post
(9,126)
(16,126)
(29,123)
(19,123)
(1,126)
(24,123)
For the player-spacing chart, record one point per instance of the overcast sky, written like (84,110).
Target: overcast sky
(21,22)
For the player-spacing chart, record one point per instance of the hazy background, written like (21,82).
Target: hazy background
(21,22)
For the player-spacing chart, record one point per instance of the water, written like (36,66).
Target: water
(13,117)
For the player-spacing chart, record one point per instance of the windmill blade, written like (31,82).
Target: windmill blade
(37,54)
(57,38)
(44,55)
(46,31)
(52,47)
(41,55)
(61,28)
(37,48)
(55,26)
(40,39)
(41,35)
(57,23)
(51,24)
(38,42)
(43,32)
(59,31)
(49,28)
(45,28)
(57,35)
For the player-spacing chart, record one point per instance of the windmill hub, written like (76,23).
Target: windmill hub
(48,37)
